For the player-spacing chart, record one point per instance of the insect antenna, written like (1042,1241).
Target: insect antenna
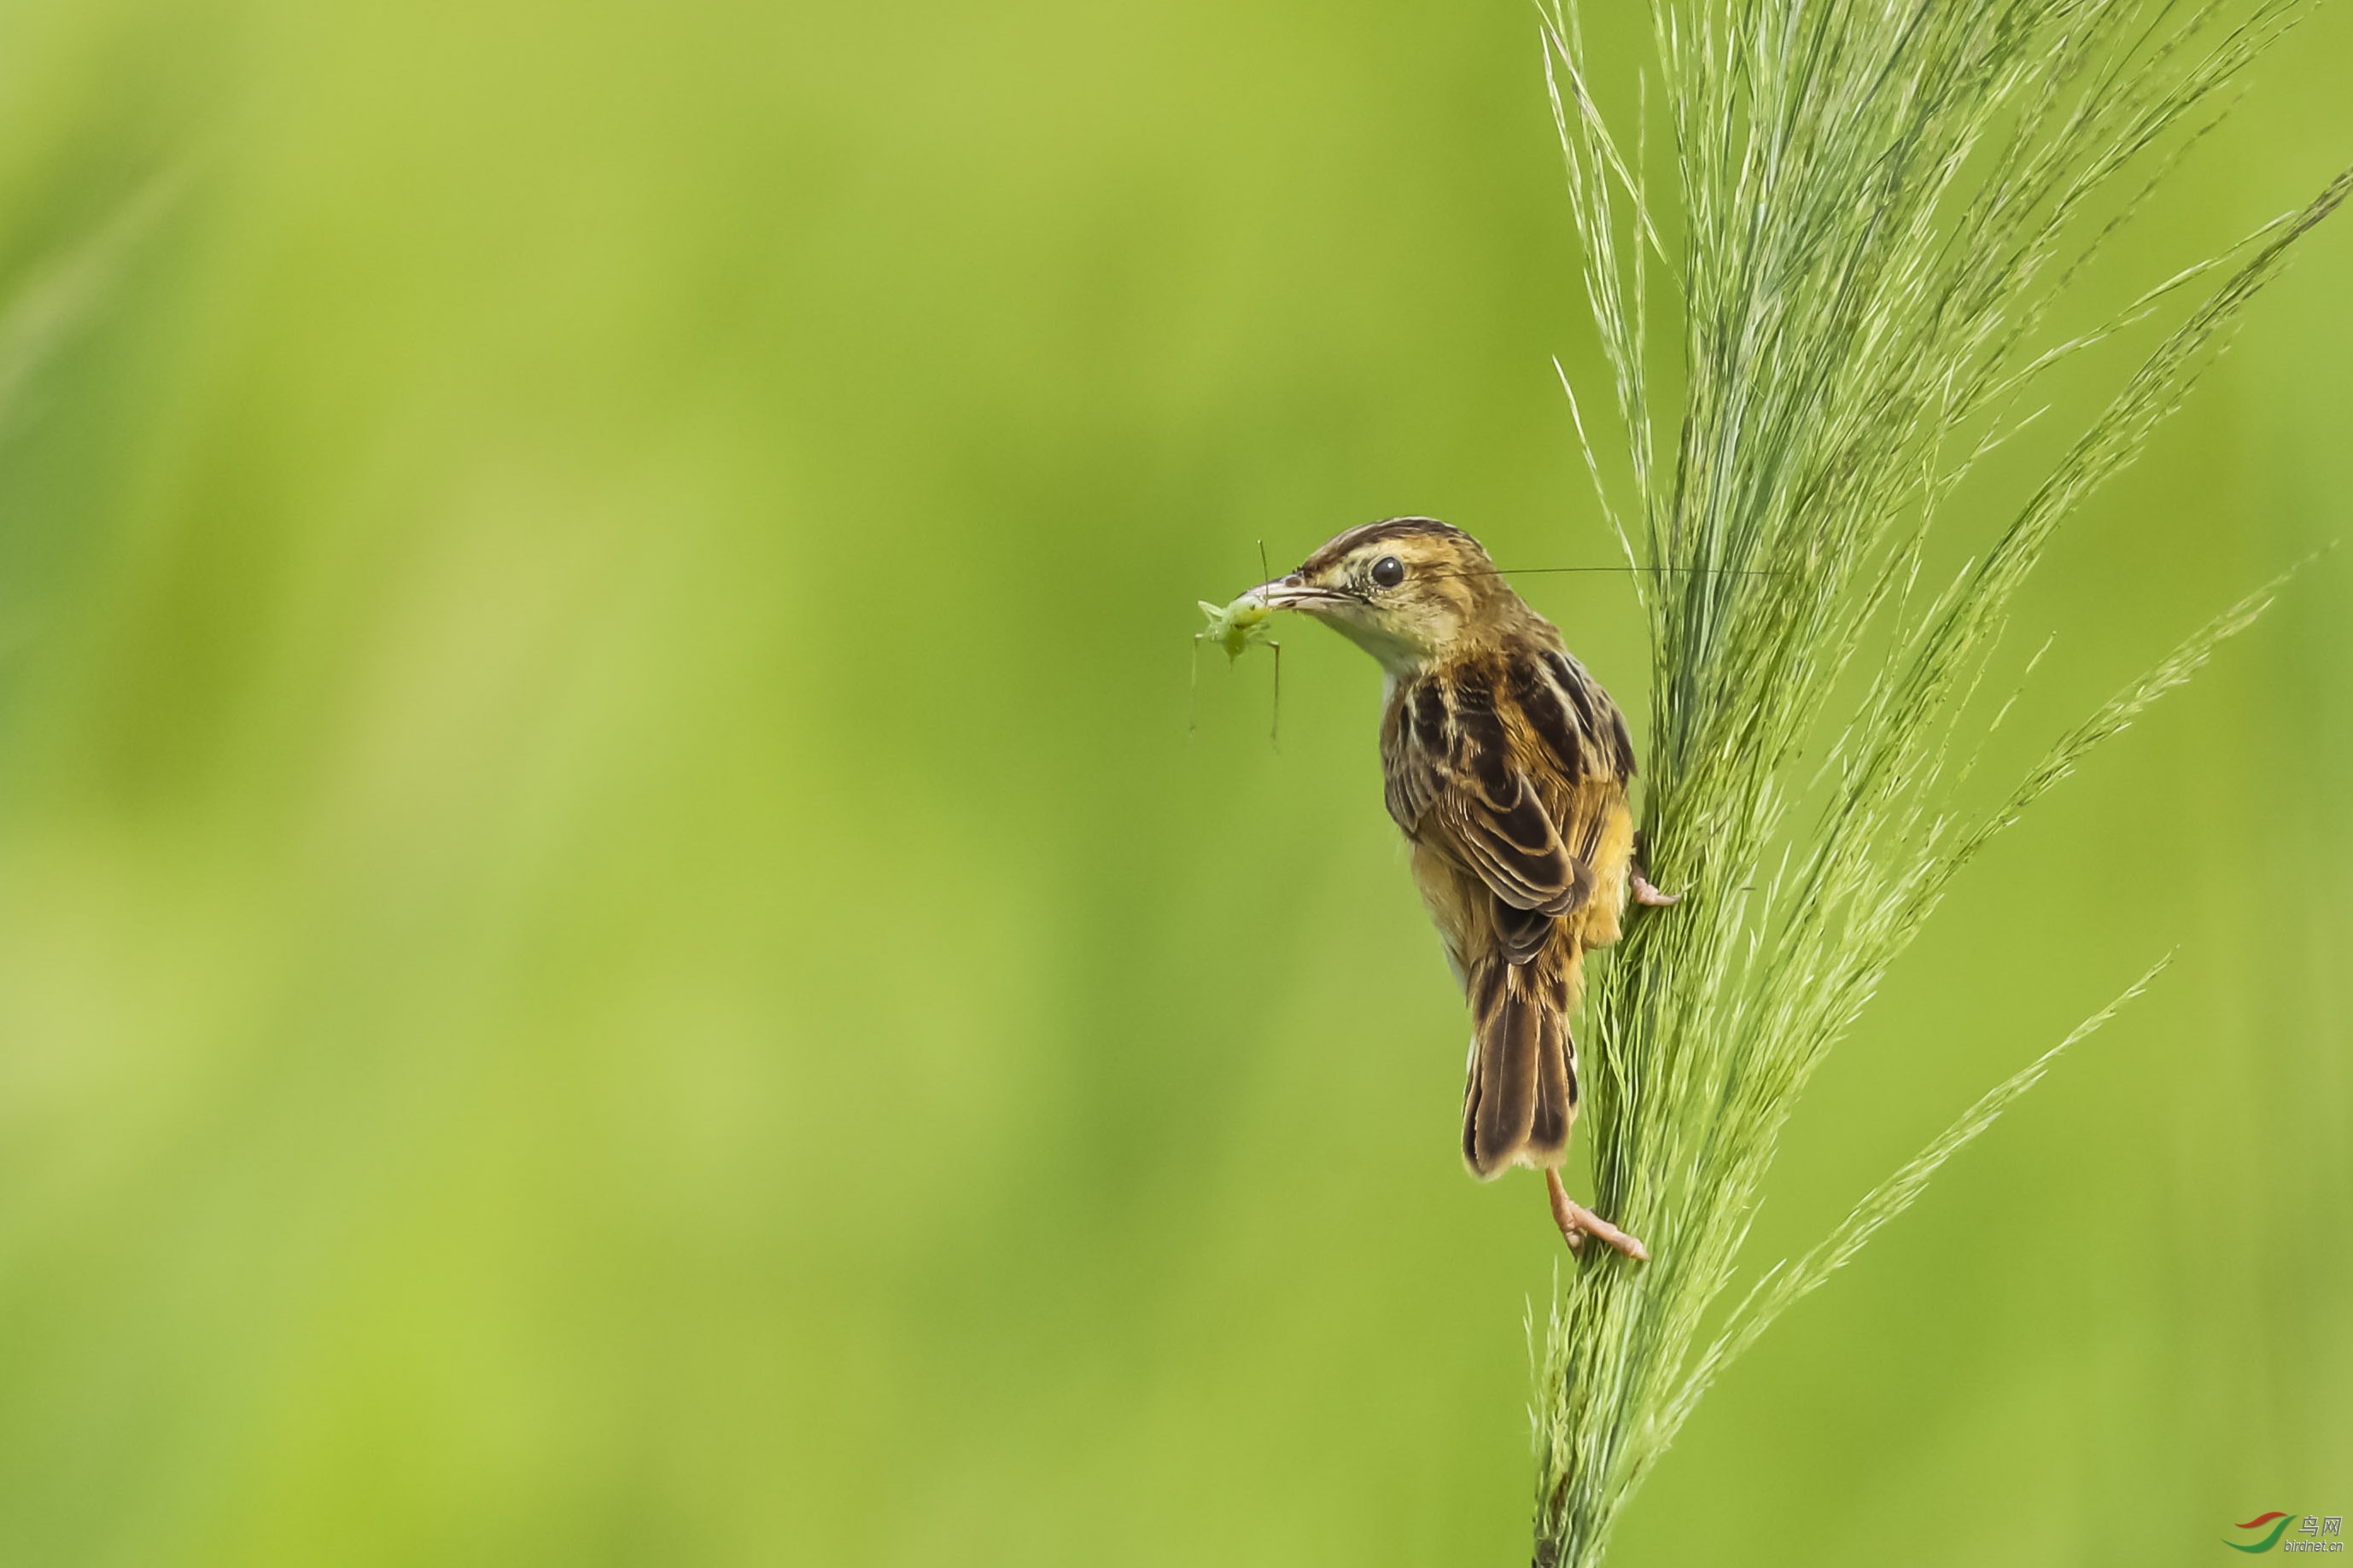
(1675,571)
(1274,725)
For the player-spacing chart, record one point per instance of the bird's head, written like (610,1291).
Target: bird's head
(1412,592)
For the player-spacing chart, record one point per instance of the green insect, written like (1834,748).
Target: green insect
(1234,627)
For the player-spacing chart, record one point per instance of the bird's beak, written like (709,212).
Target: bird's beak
(1295,592)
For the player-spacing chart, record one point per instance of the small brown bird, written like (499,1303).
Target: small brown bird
(1506,766)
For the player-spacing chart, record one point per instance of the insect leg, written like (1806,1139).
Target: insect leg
(1275,727)
(1192,704)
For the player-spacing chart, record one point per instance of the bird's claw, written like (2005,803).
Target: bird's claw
(1576,1221)
(1646,894)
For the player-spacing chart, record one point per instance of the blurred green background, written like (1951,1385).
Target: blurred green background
(613,948)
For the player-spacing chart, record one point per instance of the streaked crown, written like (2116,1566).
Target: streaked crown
(1410,591)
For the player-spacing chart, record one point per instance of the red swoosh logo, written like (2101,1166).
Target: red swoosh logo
(2260,1520)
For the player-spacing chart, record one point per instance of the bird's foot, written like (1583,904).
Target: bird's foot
(1646,894)
(1576,1221)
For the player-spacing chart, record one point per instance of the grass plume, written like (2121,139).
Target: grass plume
(1878,204)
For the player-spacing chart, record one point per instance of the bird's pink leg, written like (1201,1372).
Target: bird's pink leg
(1644,893)
(1576,1221)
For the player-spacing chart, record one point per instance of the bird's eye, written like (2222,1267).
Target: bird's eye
(1388,571)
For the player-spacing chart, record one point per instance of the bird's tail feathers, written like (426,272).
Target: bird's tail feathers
(1522,1094)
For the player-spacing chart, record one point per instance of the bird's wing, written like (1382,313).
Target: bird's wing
(1498,824)
(1413,754)
(1578,752)
(1454,782)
